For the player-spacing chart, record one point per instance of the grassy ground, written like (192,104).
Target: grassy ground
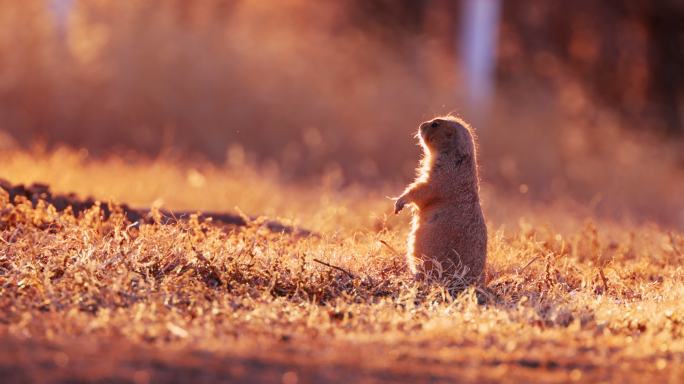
(569,296)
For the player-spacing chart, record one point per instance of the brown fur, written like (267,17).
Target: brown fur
(449,235)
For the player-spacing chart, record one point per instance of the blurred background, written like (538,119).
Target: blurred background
(580,100)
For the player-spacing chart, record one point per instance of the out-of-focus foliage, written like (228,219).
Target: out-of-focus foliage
(334,90)
(625,56)
(297,83)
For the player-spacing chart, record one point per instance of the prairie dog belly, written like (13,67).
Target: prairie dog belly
(441,245)
(433,234)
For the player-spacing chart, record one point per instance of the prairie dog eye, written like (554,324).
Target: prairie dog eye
(434,124)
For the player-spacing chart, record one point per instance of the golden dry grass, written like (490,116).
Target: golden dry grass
(569,296)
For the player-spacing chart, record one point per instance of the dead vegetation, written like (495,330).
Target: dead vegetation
(74,205)
(567,298)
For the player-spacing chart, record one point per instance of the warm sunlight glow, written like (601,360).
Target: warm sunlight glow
(341,191)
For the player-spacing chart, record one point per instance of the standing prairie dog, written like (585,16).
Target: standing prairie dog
(448,236)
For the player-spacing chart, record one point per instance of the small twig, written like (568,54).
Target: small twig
(335,267)
(394,268)
(396,253)
(673,241)
(603,280)
(4,241)
(528,264)
(133,224)
(13,236)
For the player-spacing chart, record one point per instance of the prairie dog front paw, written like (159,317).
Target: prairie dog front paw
(399,204)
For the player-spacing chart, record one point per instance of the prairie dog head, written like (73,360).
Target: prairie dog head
(447,135)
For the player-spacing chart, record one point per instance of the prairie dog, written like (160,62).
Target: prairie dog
(448,236)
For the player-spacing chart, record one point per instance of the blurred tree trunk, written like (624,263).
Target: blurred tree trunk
(665,21)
